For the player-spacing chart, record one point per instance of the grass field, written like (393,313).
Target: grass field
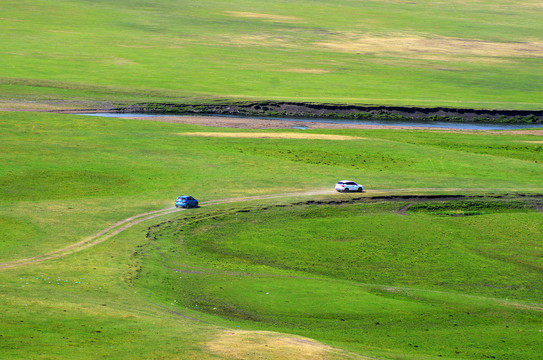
(95,263)
(354,280)
(75,53)
(361,277)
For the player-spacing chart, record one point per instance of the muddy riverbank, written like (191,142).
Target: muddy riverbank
(338,111)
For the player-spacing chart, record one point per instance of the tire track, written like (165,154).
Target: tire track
(122,225)
(131,221)
(90,241)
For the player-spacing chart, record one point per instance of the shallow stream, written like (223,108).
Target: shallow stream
(428,124)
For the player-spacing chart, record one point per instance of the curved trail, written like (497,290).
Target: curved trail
(90,241)
(131,221)
(136,219)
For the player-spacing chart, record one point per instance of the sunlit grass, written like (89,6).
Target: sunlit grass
(362,277)
(65,178)
(459,54)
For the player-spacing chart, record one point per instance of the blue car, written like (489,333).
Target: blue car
(186,202)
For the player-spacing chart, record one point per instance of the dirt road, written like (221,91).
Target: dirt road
(136,219)
(131,221)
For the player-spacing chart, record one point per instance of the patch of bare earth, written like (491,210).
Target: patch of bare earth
(28,106)
(252,40)
(256,123)
(271,135)
(265,17)
(306,71)
(403,210)
(431,47)
(10,19)
(250,345)
(520,132)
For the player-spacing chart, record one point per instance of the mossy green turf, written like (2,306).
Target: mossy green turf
(186,51)
(66,177)
(362,277)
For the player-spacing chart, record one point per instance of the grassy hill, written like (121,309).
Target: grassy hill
(361,277)
(475,54)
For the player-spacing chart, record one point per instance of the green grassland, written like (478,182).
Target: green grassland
(343,277)
(474,54)
(360,277)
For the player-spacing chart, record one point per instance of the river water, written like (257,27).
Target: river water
(428,124)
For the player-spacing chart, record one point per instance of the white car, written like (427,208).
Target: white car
(348,185)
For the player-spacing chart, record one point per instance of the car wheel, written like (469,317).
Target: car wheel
(359,189)
(346,190)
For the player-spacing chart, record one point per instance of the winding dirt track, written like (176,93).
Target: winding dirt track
(136,219)
(131,221)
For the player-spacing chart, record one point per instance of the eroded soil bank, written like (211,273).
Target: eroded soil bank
(355,112)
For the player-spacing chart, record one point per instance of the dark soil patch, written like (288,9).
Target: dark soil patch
(340,111)
(403,209)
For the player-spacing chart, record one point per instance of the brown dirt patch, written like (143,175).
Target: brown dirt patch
(403,210)
(306,71)
(10,19)
(433,48)
(519,132)
(256,40)
(265,17)
(29,106)
(272,135)
(270,345)
(256,123)
(120,61)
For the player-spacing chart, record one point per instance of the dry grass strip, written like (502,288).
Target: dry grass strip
(272,135)
(238,344)
(265,17)
(431,46)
